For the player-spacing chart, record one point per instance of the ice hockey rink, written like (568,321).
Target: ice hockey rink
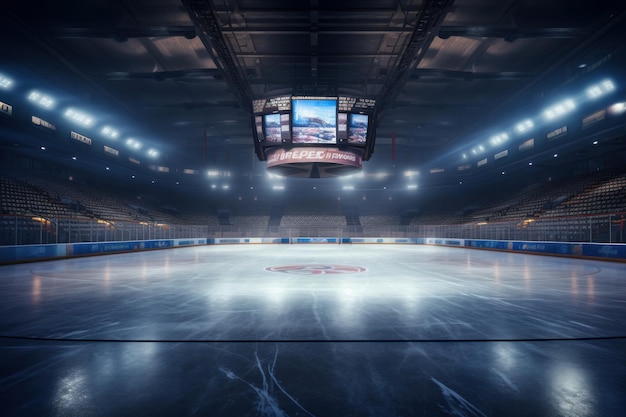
(313,330)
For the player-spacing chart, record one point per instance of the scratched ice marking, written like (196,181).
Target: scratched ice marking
(456,404)
(267,403)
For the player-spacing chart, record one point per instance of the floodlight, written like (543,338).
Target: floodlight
(412,186)
(5,82)
(133,143)
(109,132)
(213,173)
(348,187)
(153,153)
(498,139)
(559,109)
(524,126)
(41,99)
(278,187)
(79,117)
(600,89)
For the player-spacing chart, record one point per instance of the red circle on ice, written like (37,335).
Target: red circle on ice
(316,269)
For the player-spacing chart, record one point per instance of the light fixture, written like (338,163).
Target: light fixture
(153,153)
(133,143)
(79,117)
(524,126)
(5,82)
(412,186)
(498,139)
(600,89)
(559,109)
(109,132)
(41,99)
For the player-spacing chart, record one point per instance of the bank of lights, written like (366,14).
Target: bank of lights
(5,82)
(41,99)
(110,132)
(600,89)
(477,150)
(499,139)
(524,126)
(559,109)
(133,143)
(79,117)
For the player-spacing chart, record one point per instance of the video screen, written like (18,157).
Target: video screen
(272,128)
(314,120)
(357,131)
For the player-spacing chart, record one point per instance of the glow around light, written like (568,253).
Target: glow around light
(524,126)
(5,82)
(559,109)
(79,117)
(41,99)
(153,153)
(109,132)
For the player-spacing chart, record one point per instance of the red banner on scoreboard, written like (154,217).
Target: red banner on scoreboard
(306,155)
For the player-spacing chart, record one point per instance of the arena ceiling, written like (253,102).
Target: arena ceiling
(180,75)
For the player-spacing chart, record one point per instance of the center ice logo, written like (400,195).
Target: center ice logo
(316,269)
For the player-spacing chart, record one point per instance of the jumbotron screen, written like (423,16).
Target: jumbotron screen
(301,121)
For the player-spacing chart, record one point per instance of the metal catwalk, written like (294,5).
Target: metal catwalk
(313,330)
